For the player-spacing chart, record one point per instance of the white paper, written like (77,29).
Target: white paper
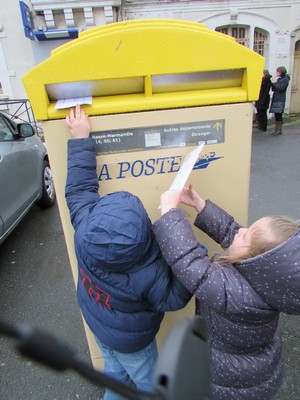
(69,103)
(186,168)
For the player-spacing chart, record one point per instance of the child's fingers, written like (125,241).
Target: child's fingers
(68,121)
(78,111)
(71,113)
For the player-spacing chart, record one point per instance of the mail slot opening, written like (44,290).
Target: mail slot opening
(165,83)
(197,81)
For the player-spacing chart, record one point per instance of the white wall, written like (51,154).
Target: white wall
(281,19)
(15,49)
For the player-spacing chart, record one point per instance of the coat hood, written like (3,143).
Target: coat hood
(118,233)
(275,275)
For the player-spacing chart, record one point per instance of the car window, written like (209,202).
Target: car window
(5,132)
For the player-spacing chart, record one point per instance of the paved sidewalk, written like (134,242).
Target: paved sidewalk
(275,189)
(291,124)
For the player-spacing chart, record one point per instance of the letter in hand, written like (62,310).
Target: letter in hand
(188,196)
(78,123)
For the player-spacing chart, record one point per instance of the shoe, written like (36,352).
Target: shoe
(276,129)
(279,129)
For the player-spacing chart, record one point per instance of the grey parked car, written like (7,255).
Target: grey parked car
(25,174)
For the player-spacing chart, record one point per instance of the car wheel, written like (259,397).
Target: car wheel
(48,191)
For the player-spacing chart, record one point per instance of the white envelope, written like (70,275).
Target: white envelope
(186,168)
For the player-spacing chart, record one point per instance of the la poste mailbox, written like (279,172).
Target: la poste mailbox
(158,88)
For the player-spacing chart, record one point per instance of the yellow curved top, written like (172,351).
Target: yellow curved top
(145,65)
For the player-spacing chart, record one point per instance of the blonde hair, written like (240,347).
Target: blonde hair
(280,229)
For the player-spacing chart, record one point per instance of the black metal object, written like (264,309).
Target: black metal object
(182,370)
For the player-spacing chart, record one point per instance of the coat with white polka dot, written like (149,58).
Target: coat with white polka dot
(240,303)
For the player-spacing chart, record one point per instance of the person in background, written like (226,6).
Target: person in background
(124,285)
(263,102)
(279,85)
(240,292)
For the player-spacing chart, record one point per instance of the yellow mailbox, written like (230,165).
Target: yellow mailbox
(158,88)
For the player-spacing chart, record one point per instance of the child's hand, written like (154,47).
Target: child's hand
(168,200)
(191,198)
(78,123)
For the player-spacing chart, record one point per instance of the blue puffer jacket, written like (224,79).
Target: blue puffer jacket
(240,303)
(124,286)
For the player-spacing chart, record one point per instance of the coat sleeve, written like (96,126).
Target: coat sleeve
(81,190)
(166,292)
(219,286)
(281,85)
(217,224)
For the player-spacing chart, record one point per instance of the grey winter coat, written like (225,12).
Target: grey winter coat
(240,303)
(279,94)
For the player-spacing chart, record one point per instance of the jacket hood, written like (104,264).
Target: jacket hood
(118,233)
(275,275)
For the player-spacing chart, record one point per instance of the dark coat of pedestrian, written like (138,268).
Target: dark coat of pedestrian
(263,102)
(279,87)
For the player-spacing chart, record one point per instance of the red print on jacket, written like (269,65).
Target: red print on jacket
(94,291)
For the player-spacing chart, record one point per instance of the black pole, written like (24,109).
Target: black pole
(46,349)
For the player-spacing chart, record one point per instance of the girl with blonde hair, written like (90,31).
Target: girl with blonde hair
(240,292)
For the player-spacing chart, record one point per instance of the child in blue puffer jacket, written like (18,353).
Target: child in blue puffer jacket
(124,285)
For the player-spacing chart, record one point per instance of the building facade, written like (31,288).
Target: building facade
(29,30)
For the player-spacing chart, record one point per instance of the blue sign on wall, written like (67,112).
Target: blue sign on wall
(27,20)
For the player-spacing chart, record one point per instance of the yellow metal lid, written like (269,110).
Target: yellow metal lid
(141,65)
